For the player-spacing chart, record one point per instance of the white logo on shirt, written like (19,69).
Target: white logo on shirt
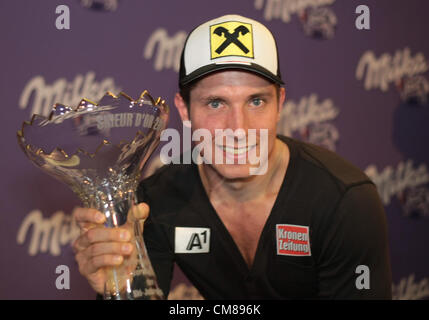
(192,240)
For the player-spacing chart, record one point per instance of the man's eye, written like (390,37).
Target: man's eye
(257,102)
(215,104)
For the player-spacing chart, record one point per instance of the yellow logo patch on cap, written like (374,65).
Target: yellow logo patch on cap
(231,38)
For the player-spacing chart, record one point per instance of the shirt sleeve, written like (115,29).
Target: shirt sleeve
(353,262)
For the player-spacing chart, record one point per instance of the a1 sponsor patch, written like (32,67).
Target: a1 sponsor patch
(191,240)
(293,240)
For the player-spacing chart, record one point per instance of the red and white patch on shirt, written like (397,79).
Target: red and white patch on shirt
(293,240)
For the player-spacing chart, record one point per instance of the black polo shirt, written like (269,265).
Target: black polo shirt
(326,223)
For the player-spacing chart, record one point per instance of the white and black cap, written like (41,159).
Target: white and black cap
(229,42)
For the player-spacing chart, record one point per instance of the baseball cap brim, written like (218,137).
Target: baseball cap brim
(251,67)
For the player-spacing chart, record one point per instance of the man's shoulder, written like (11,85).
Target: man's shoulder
(326,165)
(170,180)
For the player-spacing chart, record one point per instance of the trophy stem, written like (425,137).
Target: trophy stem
(135,277)
(114,282)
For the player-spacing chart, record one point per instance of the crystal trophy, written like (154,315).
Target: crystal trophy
(99,150)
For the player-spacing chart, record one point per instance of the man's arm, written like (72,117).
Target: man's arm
(353,262)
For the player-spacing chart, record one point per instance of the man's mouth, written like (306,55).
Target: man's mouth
(236,151)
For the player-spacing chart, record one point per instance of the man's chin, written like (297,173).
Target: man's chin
(233,172)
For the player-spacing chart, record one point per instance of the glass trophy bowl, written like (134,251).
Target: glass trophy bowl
(99,150)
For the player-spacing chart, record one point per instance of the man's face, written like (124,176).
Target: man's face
(235,100)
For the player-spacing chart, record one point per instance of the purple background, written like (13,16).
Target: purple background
(374,127)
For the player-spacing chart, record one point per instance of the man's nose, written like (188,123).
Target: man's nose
(237,119)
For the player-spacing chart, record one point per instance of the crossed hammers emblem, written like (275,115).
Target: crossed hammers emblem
(231,38)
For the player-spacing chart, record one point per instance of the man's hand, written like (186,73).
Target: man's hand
(99,247)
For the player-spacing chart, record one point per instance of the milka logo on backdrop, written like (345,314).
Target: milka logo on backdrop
(319,23)
(406,182)
(169,49)
(284,9)
(379,73)
(47,234)
(407,289)
(68,93)
(310,119)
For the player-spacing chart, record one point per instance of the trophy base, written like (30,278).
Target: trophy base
(138,286)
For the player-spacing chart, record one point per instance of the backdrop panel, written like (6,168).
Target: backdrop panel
(361,93)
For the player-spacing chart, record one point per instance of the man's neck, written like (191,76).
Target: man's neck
(254,187)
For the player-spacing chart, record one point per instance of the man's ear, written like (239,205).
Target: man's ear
(181,107)
(282,98)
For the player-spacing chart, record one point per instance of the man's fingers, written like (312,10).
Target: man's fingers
(85,216)
(115,248)
(138,212)
(101,234)
(106,260)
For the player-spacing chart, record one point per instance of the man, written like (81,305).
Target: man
(305,228)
